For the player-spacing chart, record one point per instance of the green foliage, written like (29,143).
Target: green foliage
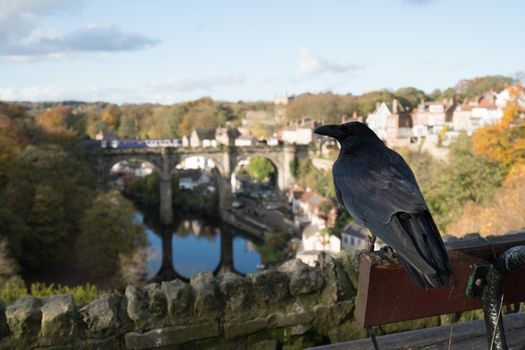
(145,192)
(108,230)
(260,168)
(448,186)
(45,192)
(410,97)
(471,88)
(274,249)
(15,289)
(294,167)
(320,181)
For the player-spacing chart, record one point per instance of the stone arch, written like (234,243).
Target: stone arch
(107,163)
(217,160)
(274,159)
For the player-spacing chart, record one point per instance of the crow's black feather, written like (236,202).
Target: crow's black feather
(379,190)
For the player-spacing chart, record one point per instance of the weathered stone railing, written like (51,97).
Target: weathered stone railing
(292,307)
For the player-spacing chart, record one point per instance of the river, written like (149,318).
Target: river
(195,244)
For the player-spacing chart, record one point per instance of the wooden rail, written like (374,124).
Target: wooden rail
(386,294)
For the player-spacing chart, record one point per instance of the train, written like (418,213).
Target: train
(149,143)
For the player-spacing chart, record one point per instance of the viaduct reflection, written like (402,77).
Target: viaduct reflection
(167,269)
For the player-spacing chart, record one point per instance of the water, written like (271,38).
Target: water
(197,244)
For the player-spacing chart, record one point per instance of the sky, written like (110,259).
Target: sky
(168,51)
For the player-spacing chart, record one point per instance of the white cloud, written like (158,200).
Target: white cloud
(163,92)
(23,39)
(313,66)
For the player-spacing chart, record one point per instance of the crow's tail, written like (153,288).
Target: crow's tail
(424,255)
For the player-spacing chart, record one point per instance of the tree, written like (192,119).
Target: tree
(108,231)
(57,122)
(465,178)
(111,116)
(260,169)
(503,213)
(504,142)
(261,129)
(48,227)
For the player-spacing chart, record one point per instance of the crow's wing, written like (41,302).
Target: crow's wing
(380,188)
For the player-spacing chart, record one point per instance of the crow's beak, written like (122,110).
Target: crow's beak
(330,130)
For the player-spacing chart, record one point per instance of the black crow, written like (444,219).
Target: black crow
(377,187)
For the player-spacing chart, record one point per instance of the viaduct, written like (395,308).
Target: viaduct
(225,157)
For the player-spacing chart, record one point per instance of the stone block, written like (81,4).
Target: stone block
(179,297)
(337,284)
(170,336)
(304,279)
(237,329)
(146,308)
(60,319)
(270,344)
(101,316)
(208,304)
(269,287)
(24,317)
(237,296)
(110,343)
(327,317)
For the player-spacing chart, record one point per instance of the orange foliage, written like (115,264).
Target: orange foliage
(505,142)
(111,116)
(503,214)
(55,122)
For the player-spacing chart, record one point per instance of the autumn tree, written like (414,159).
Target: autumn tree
(111,116)
(503,213)
(504,142)
(108,232)
(58,122)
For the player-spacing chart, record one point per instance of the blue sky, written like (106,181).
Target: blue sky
(169,51)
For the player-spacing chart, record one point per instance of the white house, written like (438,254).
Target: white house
(203,138)
(431,117)
(391,123)
(354,237)
(298,135)
(377,120)
(315,241)
(245,141)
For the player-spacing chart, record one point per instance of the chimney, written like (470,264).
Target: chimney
(394,106)
(354,115)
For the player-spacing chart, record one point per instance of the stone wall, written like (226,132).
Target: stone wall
(292,307)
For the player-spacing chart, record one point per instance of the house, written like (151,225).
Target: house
(293,199)
(314,241)
(203,138)
(392,123)
(308,208)
(191,179)
(430,117)
(226,136)
(354,237)
(471,116)
(245,141)
(185,141)
(297,135)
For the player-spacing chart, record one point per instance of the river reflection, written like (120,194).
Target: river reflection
(196,244)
